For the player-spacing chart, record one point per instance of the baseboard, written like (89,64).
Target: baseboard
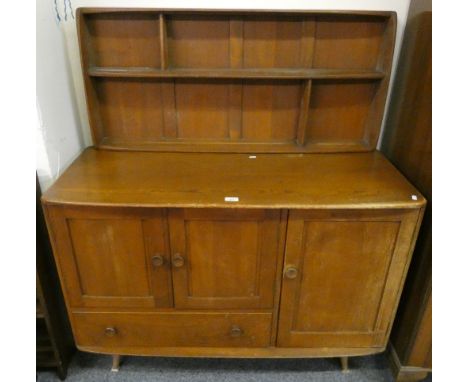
(403,373)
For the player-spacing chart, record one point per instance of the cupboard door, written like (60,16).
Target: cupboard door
(111,257)
(224,258)
(342,276)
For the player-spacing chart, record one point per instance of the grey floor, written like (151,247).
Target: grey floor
(96,368)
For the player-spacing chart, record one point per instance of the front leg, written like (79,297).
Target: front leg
(116,359)
(344,365)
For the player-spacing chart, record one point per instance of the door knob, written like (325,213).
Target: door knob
(178,260)
(236,331)
(157,260)
(110,331)
(291,272)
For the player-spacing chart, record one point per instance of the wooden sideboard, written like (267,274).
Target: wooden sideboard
(234,204)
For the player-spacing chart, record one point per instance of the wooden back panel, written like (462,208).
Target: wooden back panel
(236,81)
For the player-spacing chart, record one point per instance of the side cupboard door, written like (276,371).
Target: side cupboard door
(225,258)
(111,257)
(342,276)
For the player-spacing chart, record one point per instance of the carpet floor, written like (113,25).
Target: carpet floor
(96,368)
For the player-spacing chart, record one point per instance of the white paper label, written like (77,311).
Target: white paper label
(231,199)
(414,197)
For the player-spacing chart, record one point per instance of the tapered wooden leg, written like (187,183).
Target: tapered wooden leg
(116,359)
(344,364)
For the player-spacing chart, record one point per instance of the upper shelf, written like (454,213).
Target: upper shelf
(236,81)
(235,73)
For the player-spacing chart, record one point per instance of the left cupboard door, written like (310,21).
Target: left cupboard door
(111,257)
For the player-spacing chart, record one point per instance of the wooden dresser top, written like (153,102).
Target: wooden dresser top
(148,179)
(235,81)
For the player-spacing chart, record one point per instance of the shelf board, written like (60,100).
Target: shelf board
(235,73)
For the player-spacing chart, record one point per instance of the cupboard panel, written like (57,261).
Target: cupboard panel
(224,258)
(342,273)
(106,257)
(109,256)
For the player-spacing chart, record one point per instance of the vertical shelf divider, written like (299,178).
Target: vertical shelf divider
(304,114)
(308,43)
(170,128)
(163,42)
(236,51)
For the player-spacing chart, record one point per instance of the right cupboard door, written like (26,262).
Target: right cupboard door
(342,276)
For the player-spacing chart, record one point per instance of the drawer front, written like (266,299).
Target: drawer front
(172,329)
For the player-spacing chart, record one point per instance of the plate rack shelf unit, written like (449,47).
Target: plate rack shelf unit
(236,81)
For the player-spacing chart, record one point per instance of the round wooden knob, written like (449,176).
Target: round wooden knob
(236,331)
(291,272)
(110,331)
(157,260)
(178,260)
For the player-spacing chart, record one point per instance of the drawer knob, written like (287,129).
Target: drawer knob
(291,272)
(178,260)
(236,331)
(157,260)
(110,331)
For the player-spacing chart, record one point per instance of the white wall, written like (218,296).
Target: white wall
(69,130)
(58,134)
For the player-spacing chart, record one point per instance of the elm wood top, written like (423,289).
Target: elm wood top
(142,179)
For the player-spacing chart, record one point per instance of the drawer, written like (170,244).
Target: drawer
(172,329)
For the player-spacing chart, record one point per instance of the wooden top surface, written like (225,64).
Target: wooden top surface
(122,178)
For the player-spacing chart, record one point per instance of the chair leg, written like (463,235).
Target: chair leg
(344,365)
(116,359)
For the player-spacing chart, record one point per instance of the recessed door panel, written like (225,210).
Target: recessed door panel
(108,256)
(342,273)
(224,258)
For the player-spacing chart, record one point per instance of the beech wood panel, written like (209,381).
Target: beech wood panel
(230,257)
(270,112)
(339,110)
(202,110)
(147,330)
(272,42)
(350,266)
(200,42)
(365,180)
(131,109)
(348,41)
(128,40)
(213,47)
